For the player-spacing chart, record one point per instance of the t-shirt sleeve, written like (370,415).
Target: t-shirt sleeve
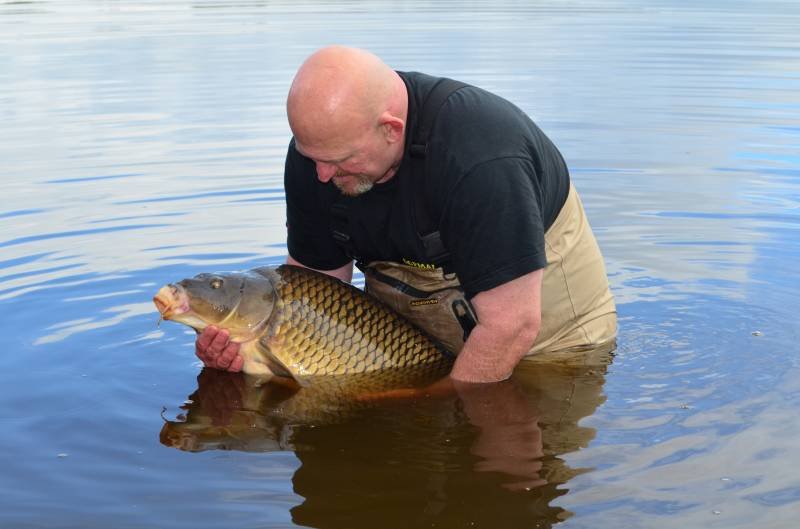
(492,224)
(308,222)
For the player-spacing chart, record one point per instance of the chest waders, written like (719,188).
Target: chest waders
(578,310)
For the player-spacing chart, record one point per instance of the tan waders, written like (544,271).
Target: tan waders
(578,311)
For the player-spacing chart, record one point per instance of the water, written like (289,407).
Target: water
(143,142)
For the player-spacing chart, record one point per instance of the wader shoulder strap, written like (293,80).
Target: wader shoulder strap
(429,235)
(427,115)
(435,252)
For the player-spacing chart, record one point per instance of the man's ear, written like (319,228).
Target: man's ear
(393,127)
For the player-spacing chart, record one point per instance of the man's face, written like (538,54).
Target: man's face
(353,166)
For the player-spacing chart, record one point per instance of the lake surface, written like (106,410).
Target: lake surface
(143,142)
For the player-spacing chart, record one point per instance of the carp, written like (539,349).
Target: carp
(301,324)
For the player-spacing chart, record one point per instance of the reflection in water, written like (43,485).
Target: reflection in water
(486,457)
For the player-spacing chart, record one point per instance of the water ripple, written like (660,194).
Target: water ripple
(76,233)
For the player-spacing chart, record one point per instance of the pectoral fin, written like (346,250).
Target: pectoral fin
(275,365)
(277,368)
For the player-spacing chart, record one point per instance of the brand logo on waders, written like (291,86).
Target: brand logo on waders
(415,264)
(420,302)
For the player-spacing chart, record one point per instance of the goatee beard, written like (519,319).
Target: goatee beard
(362,185)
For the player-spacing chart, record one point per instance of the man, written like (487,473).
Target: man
(458,209)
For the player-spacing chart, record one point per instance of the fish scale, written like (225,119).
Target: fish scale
(362,333)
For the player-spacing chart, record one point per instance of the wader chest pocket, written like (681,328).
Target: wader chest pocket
(429,299)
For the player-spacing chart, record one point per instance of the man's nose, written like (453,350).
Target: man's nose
(325,171)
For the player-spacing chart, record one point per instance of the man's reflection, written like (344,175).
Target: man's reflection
(487,456)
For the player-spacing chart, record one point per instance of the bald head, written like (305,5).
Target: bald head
(341,92)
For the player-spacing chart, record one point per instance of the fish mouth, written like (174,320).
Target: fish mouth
(171,301)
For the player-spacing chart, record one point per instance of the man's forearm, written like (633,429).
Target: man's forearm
(490,355)
(345,273)
(509,319)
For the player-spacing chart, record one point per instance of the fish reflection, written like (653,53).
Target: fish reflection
(488,456)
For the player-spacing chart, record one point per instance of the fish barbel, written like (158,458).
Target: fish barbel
(299,323)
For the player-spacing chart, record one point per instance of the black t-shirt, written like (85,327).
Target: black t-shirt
(492,179)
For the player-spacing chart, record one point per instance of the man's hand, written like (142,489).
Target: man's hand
(214,349)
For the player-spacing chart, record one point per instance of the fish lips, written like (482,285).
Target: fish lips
(171,300)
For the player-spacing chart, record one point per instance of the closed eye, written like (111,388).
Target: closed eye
(319,160)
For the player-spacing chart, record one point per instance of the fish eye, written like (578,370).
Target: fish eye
(216,283)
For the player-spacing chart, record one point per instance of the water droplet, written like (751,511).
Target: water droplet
(724,479)
(717,512)
(62,455)
(188,401)
(756,333)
